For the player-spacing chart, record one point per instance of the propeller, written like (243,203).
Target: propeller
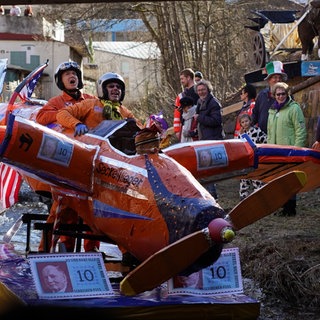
(177,256)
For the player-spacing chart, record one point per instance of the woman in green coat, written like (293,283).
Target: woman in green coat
(286,121)
(286,126)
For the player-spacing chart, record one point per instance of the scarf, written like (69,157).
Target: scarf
(111,110)
(278,106)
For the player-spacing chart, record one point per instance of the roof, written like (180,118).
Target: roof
(275,16)
(283,16)
(17,36)
(132,49)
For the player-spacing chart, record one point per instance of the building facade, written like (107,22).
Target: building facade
(28,42)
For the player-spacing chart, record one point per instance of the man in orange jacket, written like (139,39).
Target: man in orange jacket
(68,78)
(87,114)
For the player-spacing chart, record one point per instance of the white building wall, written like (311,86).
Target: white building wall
(56,52)
(135,61)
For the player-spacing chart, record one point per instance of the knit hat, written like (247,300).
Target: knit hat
(275,67)
(186,102)
(198,74)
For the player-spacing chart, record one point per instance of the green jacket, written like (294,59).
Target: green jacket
(287,126)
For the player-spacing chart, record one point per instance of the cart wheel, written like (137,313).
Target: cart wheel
(259,50)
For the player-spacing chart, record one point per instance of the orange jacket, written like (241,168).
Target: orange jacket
(48,112)
(88,112)
(177,115)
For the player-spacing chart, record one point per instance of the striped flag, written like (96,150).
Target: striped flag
(10,179)
(26,92)
(25,89)
(10,185)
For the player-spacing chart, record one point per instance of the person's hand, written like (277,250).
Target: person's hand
(80,129)
(193,133)
(316,145)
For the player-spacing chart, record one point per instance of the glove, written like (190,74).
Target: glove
(80,129)
(193,133)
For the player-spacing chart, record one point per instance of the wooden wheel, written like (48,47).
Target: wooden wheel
(259,50)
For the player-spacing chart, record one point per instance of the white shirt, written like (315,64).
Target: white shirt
(15,11)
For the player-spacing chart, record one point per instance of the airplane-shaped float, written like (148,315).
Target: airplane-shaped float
(154,206)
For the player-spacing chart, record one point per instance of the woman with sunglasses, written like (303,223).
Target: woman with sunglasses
(286,126)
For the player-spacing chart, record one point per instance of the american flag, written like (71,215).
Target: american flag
(25,89)
(10,185)
(26,92)
(10,179)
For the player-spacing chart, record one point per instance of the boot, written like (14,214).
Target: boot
(289,208)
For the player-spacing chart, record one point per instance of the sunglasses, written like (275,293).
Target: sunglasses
(111,86)
(281,94)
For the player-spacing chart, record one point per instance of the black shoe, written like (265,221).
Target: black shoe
(289,208)
(129,260)
(281,213)
(286,213)
(291,213)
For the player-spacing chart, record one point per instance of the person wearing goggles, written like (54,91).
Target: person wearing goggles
(108,106)
(68,78)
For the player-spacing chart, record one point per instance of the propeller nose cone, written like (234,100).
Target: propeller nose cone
(221,230)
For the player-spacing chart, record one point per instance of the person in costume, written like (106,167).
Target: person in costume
(87,114)
(68,78)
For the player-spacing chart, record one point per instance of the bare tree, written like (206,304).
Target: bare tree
(203,35)
(209,36)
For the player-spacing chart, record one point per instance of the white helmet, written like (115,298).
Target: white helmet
(102,91)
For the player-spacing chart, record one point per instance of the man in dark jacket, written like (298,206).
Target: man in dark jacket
(265,99)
